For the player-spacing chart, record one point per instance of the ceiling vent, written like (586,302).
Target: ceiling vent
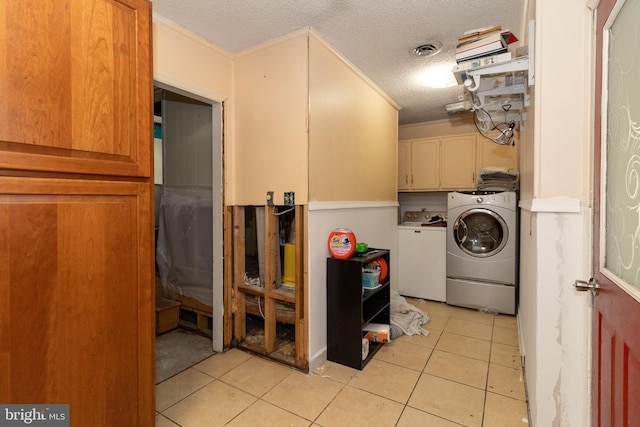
(428,49)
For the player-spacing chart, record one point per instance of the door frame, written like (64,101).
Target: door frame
(217,103)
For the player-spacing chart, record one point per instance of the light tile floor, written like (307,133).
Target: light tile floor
(467,372)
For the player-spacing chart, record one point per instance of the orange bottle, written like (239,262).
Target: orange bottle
(342,243)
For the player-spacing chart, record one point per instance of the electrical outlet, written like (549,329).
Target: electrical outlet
(289,198)
(270,198)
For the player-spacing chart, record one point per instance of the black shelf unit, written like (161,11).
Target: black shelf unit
(349,309)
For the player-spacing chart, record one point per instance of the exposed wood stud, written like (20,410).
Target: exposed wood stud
(230,293)
(270,248)
(301,335)
(274,299)
(239,318)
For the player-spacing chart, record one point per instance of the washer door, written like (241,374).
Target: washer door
(480,232)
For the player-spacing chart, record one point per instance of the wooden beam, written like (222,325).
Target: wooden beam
(301,308)
(227,278)
(270,253)
(238,307)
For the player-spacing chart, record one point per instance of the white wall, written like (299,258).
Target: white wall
(563,100)
(373,223)
(528,303)
(555,166)
(554,318)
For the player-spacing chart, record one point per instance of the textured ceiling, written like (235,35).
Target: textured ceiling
(374,35)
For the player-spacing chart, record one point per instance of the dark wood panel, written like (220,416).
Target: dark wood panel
(75,85)
(76,324)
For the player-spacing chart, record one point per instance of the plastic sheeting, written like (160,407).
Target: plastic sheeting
(184,251)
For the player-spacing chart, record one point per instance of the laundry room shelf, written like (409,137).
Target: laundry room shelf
(350,308)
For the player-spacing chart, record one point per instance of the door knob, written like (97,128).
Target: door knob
(592,285)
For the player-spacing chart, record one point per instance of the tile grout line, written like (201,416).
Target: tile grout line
(420,376)
(188,395)
(424,373)
(258,398)
(486,385)
(448,317)
(314,421)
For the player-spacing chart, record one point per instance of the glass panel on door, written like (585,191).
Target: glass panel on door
(622,187)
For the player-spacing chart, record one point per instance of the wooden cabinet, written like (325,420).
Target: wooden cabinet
(404,169)
(76,225)
(419,164)
(490,154)
(76,298)
(425,164)
(457,162)
(71,82)
(349,309)
(441,163)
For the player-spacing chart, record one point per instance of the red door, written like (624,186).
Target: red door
(616,260)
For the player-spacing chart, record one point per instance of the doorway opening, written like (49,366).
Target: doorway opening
(188,218)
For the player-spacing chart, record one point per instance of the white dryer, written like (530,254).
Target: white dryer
(482,250)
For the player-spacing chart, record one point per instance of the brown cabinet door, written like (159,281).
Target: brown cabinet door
(76,314)
(75,86)
(76,225)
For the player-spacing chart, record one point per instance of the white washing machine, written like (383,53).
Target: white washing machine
(482,250)
(421,255)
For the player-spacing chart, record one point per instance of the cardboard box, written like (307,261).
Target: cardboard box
(167,315)
(376,332)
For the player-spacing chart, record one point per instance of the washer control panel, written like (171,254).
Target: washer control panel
(424,218)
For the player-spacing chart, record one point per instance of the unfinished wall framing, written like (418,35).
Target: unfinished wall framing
(268,305)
